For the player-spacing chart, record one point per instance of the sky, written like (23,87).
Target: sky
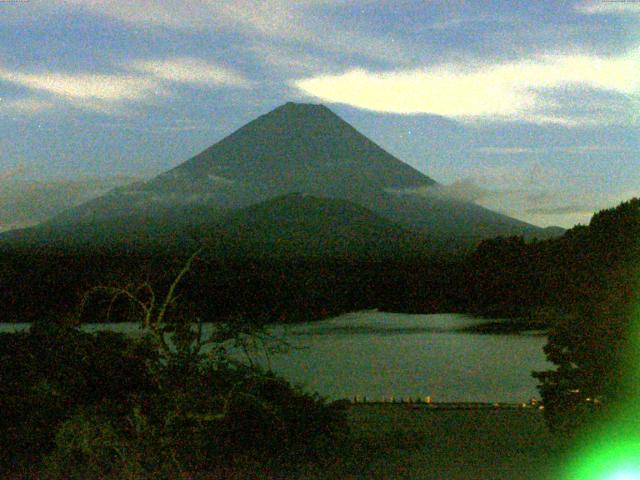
(530,108)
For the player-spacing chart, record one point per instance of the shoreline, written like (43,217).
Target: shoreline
(509,327)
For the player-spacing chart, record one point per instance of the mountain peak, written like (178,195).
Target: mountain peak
(303,106)
(303,148)
(304,110)
(300,147)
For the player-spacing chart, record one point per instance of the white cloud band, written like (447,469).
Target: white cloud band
(601,7)
(191,70)
(503,91)
(143,80)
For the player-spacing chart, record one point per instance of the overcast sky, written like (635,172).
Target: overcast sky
(529,107)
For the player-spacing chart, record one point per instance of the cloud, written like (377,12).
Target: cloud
(144,80)
(266,16)
(616,7)
(287,58)
(24,203)
(24,106)
(192,71)
(85,87)
(575,149)
(506,150)
(562,210)
(280,21)
(524,198)
(531,192)
(175,125)
(465,190)
(458,21)
(570,209)
(276,18)
(586,149)
(11,173)
(501,91)
(515,177)
(500,187)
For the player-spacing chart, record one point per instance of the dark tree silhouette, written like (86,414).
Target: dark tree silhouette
(595,346)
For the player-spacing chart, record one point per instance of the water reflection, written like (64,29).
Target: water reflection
(380,355)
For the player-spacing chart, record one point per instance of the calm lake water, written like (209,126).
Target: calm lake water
(379,355)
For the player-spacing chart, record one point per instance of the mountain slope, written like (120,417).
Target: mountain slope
(308,149)
(296,147)
(305,225)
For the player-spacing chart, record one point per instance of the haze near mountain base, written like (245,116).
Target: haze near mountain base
(300,149)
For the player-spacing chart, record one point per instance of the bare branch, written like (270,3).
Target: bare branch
(174,285)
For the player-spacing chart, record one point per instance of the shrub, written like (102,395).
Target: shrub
(87,446)
(173,403)
(49,372)
(595,350)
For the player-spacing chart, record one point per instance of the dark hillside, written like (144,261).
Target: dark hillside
(307,149)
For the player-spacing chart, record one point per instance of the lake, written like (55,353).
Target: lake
(380,355)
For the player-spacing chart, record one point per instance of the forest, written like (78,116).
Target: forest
(79,405)
(501,277)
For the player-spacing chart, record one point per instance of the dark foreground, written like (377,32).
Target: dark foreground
(394,442)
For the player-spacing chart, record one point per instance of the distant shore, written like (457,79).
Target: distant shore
(422,405)
(509,326)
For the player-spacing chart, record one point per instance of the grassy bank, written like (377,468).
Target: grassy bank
(393,442)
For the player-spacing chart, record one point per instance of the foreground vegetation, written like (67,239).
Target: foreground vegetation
(105,406)
(457,445)
(79,405)
(392,442)
(594,345)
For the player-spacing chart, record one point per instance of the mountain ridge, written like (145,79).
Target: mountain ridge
(303,148)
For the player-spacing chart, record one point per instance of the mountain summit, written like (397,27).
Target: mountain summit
(308,149)
(294,148)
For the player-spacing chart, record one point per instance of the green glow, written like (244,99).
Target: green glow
(611,450)
(624,474)
(616,460)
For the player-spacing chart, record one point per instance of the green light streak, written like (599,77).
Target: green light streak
(611,450)
(612,454)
